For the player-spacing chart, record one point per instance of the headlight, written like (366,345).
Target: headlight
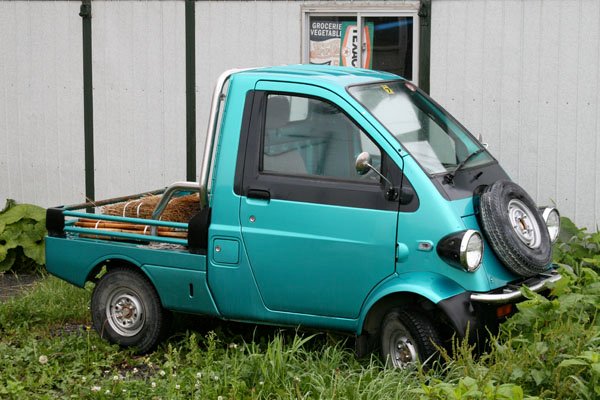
(462,249)
(552,219)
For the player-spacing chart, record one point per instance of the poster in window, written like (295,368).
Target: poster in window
(349,44)
(325,41)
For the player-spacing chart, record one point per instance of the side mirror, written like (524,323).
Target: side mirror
(363,163)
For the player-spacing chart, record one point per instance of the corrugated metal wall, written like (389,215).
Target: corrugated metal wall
(139,95)
(526,75)
(41,103)
(240,34)
(139,88)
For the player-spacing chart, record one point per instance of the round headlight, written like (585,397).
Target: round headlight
(552,219)
(471,250)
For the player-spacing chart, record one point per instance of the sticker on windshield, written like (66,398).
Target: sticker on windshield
(387,89)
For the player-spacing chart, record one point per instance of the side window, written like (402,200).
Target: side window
(311,137)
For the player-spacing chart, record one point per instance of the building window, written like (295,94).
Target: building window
(379,39)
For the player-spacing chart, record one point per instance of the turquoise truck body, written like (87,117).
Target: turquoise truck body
(330,265)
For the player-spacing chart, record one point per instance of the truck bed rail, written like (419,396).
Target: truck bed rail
(71,219)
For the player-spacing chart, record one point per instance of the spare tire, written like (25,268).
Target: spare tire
(515,229)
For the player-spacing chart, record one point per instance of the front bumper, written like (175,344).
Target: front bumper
(512,292)
(473,314)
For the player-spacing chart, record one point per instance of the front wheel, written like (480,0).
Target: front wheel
(407,337)
(126,310)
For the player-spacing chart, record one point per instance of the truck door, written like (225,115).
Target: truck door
(319,237)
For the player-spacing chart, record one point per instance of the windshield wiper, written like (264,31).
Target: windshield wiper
(449,177)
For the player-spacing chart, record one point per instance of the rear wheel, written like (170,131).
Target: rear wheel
(407,337)
(126,310)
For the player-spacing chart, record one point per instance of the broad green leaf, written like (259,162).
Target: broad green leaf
(538,376)
(8,261)
(21,211)
(509,391)
(541,347)
(35,251)
(571,362)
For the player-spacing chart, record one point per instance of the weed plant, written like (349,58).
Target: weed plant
(550,349)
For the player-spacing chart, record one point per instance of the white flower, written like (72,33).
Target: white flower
(83,379)
(220,398)
(233,346)
(177,387)
(135,370)
(107,391)
(162,373)
(199,375)
(116,378)
(215,377)
(197,385)
(261,383)
(96,388)
(153,384)
(297,379)
(43,359)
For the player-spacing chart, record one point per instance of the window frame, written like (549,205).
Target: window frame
(410,9)
(300,188)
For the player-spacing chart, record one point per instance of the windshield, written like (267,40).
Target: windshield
(427,132)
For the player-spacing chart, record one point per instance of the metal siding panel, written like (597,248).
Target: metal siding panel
(510,87)
(567,107)
(8,50)
(456,61)
(241,34)
(540,76)
(473,76)
(139,124)
(174,89)
(492,70)
(548,102)
(587,160)
(42,70)
(439,50)
(530,95)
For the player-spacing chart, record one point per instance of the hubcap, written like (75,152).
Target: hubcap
(402,351)
(125,312)
(524,223)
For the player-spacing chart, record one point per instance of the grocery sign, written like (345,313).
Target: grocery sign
(336,43)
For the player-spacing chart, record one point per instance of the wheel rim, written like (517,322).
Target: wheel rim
(125,312)
(524,224)
(402,350)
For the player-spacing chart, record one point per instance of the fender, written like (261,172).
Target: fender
(74,261)
(431,286)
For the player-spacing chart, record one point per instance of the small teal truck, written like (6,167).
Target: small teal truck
(334,198)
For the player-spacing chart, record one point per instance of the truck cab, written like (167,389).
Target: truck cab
(335,198)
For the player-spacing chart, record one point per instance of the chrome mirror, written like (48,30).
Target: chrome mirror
(363,163)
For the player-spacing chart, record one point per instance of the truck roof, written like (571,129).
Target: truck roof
(337,76)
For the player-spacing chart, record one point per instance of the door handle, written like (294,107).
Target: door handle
(258,194)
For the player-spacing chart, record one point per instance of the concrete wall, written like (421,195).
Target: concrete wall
(526,75)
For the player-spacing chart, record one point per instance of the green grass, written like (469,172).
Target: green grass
(549,350)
